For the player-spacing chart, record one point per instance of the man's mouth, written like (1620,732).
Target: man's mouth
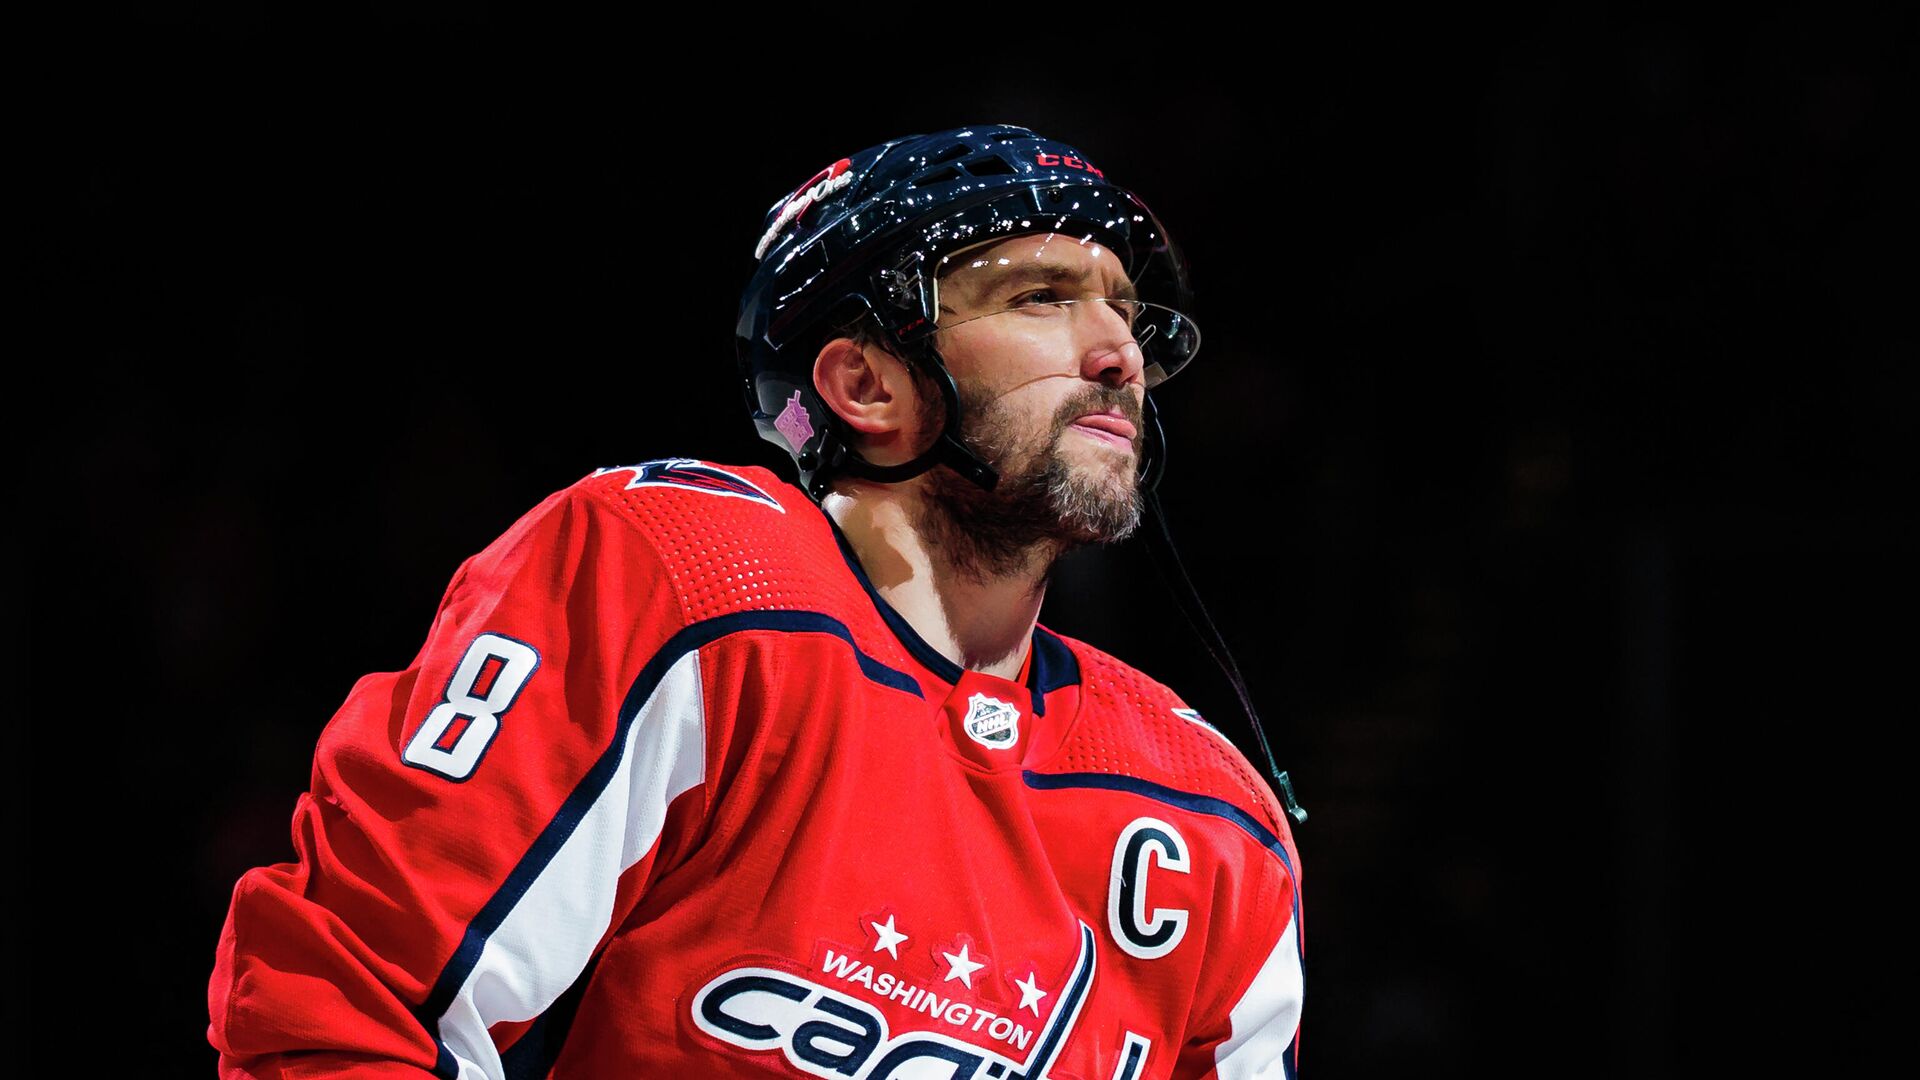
(1110,427)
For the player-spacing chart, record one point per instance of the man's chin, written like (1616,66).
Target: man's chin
(1099,504)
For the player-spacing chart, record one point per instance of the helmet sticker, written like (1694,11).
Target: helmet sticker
(794,423)
(824,183)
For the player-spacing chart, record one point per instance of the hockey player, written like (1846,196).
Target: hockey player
(701,771)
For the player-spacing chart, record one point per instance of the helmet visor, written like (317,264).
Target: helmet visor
(1034,279)
(1166,339)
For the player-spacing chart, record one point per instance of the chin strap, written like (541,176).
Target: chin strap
(946,450)
(1167,558)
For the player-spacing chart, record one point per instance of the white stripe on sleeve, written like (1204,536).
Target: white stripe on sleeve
(546,940)
(1265,1018)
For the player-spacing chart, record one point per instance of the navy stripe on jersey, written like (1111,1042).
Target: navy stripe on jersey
(588,791)
(1185,800)
(800,622)
(1054,666)
(533,1056)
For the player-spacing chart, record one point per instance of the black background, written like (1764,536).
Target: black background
(1546,463)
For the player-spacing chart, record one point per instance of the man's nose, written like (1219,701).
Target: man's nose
(1112,355)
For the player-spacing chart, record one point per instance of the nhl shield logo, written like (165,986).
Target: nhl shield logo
(992,723)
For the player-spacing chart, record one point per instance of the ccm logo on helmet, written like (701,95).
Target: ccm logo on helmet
(1148,936)
(1056,160)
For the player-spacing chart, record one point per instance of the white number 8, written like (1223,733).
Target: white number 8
(510,664)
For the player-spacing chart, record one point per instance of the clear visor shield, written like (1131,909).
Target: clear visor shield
(1162,340)
(1072,288)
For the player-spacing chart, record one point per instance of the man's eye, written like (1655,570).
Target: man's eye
(1036,296)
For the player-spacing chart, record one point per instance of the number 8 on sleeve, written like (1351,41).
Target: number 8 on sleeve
(458,731)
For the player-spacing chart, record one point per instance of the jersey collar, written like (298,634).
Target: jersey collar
(1050,664)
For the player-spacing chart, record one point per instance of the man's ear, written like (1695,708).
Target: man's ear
(875,394)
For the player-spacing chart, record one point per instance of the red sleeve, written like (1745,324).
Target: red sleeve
(1247,1026)
(475,825)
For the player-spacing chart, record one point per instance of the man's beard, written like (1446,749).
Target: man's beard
(1041,507)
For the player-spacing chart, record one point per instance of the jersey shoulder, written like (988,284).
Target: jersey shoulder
(729,538)
(1133,726)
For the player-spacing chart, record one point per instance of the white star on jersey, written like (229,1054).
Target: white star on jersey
(960,967)
(1030,992)
(890,938)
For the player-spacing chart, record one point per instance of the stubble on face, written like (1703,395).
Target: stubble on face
(1046,502)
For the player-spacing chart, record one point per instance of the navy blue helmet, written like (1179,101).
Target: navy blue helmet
(863,240)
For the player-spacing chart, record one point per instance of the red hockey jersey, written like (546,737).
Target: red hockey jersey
(672,791)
